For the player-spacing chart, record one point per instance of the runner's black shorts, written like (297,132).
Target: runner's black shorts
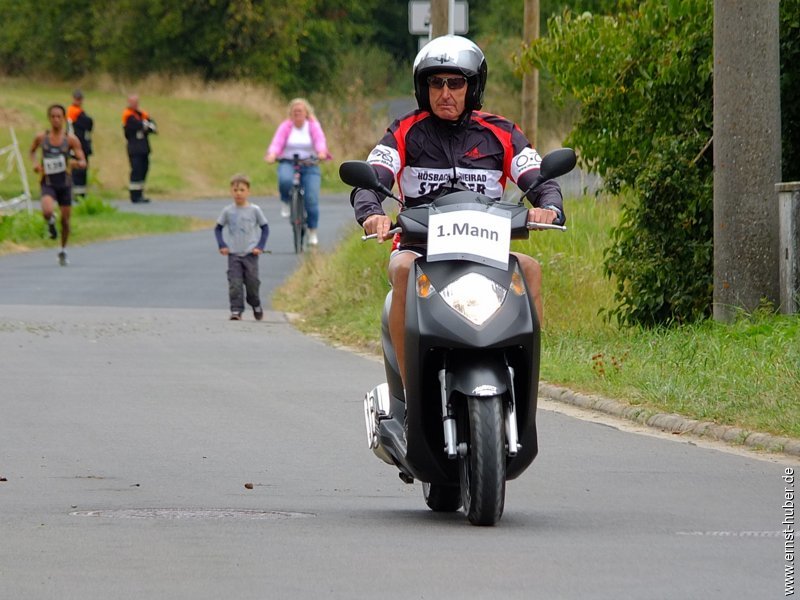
(62,194)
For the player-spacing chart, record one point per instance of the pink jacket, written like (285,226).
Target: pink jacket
(282,134)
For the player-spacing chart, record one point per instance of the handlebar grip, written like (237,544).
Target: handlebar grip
(532,225)
(372,236)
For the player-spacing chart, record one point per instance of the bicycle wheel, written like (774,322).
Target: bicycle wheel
(298,220)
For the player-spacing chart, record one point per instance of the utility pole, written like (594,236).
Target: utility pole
(530,79)
(747,155)
(439,17)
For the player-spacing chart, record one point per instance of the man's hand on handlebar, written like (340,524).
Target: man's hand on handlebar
(378,225)
(542,215)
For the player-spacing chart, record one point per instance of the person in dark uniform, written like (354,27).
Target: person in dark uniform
(138,126)
(81,125)
(58,149)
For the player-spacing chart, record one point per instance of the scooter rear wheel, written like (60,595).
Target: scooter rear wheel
(482,471)
(441,498)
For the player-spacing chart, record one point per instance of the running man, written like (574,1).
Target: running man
(54,168)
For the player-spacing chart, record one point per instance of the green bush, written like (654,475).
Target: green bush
(21,226)
(93,206)
(790,88)
(644,82)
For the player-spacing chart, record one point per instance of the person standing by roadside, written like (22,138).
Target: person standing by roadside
(138,126)
(81,125)
(247,232)
(300,134)
(56,184)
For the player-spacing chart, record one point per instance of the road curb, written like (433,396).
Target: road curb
(667,422)
(673,423)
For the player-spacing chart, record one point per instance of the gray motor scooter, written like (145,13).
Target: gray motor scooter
(466,422)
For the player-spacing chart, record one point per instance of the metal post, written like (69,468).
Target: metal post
(789,223)
(747,155)
(23,174)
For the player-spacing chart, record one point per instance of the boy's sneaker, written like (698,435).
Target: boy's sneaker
(62,259)
(313,240)
(237,316)
(285,212)
(51,228)
(258,313)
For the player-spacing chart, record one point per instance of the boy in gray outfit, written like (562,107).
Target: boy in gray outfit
(243,220)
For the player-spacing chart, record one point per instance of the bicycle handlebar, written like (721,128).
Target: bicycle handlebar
(305,162)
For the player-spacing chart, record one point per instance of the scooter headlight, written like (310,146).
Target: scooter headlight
(475,297)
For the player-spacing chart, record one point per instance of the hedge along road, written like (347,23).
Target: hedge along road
(133,414)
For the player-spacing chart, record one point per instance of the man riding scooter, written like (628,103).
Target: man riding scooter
(448,140)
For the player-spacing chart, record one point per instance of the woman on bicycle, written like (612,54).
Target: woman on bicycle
(300,134)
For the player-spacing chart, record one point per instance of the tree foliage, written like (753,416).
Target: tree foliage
(298,46)
(293,45)
(644,81)
(45,37)
(790,88)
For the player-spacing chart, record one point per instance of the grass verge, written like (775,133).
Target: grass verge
(93,220)
(745,374)
(206,133)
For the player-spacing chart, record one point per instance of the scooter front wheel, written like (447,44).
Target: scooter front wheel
(482,470)
(441,498)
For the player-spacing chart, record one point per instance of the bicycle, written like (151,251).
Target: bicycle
(297,203)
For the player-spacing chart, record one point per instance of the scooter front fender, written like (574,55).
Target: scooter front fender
(477,374)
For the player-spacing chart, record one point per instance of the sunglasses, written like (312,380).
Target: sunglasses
(453,83)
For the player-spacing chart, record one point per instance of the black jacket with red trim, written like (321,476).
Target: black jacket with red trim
(482,151)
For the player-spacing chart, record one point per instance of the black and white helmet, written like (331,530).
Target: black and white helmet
(451,54)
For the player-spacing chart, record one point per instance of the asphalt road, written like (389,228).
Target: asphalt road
(133,414)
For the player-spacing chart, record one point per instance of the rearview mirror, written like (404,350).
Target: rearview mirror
(359,173)
(557,163)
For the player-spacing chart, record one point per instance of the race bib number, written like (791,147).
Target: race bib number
(469,235)
(55,165)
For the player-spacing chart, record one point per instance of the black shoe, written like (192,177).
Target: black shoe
(51,229)
(141,201)
(258,313)
(236,316)
(62,259)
